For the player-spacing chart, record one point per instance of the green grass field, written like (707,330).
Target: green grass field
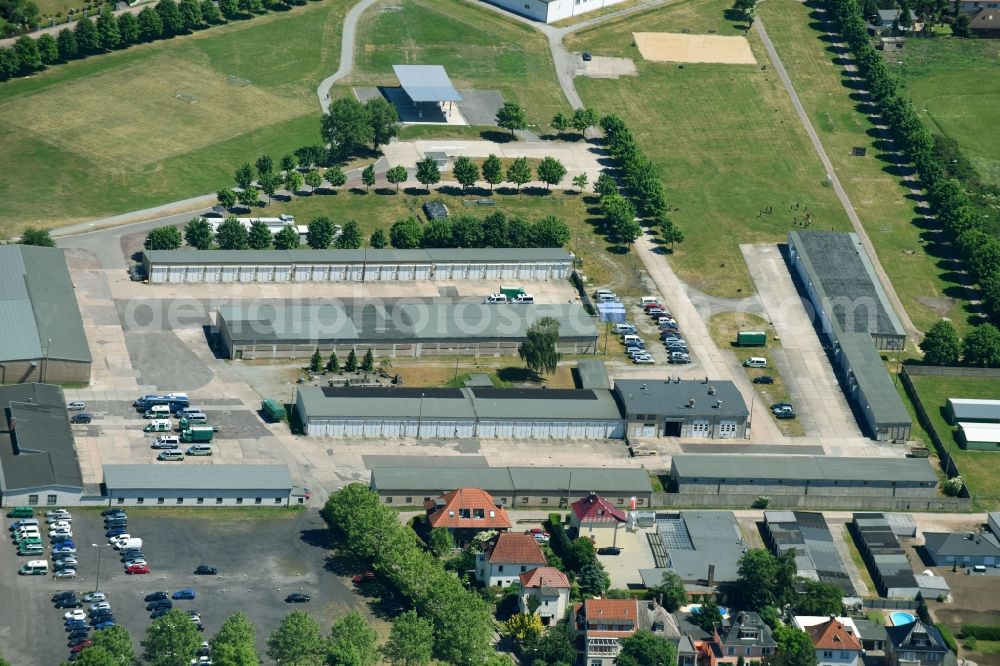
(921,280)
(980,469)
(479,49)
(725,138)
(106,135)
(955,84)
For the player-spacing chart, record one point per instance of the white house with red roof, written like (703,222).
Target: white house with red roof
(836,643)
(547,589)
(603,623)
(466,512)
(506,558)
(594,512)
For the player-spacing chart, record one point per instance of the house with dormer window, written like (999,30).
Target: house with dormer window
(507,557)
(465,512)
(836,644)
(747,636)
(917,644)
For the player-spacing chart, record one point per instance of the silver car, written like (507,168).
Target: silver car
(65,573)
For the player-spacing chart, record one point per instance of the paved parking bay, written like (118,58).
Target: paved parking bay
(255,575)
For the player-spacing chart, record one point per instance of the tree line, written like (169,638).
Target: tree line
(108,32)
(644,195)
(962,222)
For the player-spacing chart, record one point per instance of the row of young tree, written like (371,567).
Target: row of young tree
(942,346)
(458,618)
(961,221)
(109,32)
(642,188)
(496,230)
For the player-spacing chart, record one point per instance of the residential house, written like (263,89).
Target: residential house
(985,22)
(917,644)
(873,637)
(836,644)
(549,589)
(593,512)
(603,623)
(885,19)
(466,512)
(506,558)
(746,636)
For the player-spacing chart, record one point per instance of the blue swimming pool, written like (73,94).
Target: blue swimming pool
(900,618)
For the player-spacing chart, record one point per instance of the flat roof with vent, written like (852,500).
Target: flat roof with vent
(680,399)
(426,83)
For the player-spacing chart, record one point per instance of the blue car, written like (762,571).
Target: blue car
(75,624)
(116,531)
(186,593)
(107,624)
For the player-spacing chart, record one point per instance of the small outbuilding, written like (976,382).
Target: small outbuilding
(593,512)
(979,436)
(682,408)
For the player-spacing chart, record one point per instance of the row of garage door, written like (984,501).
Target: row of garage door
(450,428)
(358,272)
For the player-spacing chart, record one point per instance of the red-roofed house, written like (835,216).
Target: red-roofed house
(593,512)
(506,558)
(602,623)
(550,588)
(466,512)
(835,644)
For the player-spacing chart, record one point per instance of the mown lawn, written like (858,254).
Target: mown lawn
(979,469)
(106,135)
(725,138)
(955,85)
(920,270)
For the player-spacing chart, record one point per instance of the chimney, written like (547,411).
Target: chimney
(718,404)
(711,575)
(690,403)
(711,390)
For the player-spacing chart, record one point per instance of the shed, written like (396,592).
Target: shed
(611,312)
(979,436)
(435,210)
(972,411)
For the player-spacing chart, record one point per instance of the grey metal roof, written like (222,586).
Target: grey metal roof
(39,315)
(328,323)
(451,474)
(592,374)
(426,83)
(713,537)
(965,409)
(463,403)
(386,255)
(197,477)
(873,380)
(944,544)
(869,631)
(47,455)
(804,468)
(846,282)
(816,557)
(671,399)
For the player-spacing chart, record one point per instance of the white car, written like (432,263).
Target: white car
(644,360)
(57,514)
(60,523)
(76,406)
(60,533)
(59,519)
(76,614)
(56,550)
(65,573)
(100,605)
(121,537)
(66,563)
(94,596)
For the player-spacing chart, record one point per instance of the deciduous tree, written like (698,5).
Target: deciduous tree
(245,175)
(495,230)
(198,233)
(670,591)
(643,648)
(441,541)
(335,176)
(297,641)
(259,236)
(264,165)
(313,179)
(605,185)
(438,233)
(350,236)
(538,350)
(583,119)
(550,171)
(287,238)
(525,628)
(236,642)
(982,346)
(249,197)
(191,17)
(941,345)
(210,13)
(549,232)
(231,235)
(28,56)
(171,640)
(512,117)
(320,233)
(346,127)
(580,181)
(428,173)
(368,176)
(293,181)
(36,236)
(406,233)
(519,172)
(67,44)
(226,198)
(352,642)
(117,642)
(288,163)
(173,23)
(397,175)
(411,641)
(819,599)
(383,119)
(377,240)
(150,25)
(87,38)
(492,170)
(466,172)
(560,123)
(269,183)
(128,28)
(466,231)
(794,648)
(48,49)
(163,238)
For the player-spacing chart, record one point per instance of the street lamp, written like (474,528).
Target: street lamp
(97,584)
(420,414)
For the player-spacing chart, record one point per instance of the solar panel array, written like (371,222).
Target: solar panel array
(816,556)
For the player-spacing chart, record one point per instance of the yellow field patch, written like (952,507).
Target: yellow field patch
(677,47)
(132,117)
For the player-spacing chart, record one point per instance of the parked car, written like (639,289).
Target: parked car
(95,596)
(186,593)
(66,563)
(113,512)
(107,624)
(116,532)
(69,602)
(100,605)
(65,573)
(131,562)
(76,406)
(77,634)
(205,570)
(138,569)
(153,596)
(69,594)
(587,57)
(159,603)
(609,550)
(75,615)
(79,647)
(781,405)
(297,598)
(679,357)
(784,414)
(82,417)
(159,612)
(539,534)
(644,360)
(362,578)
(763,379)
(56,515)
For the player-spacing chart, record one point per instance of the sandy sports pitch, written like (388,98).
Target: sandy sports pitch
(677,47)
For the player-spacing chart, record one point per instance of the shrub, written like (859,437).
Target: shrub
(948,638)
(985,632)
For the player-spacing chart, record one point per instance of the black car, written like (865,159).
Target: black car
(159,612)
(155,596)
(763,379)
(97,618)
(205,570)
(159,603)
(587,57)
(609,550)
(71,602)
(133,555)
(297,598)
(82,417)
(109,512)
(77,634)
(63,595)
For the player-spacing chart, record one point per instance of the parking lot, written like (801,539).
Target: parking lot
(261,558)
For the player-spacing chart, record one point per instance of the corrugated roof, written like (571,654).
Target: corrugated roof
(671,399)
(426,83)
(39,315)
(452,473)
(197,477)
(592,374)
(873,380)
(966,409)
(385,255)
(944,544)
(804,468)
(47,455)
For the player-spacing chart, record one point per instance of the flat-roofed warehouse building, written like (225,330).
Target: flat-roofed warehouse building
(856,318)
(512,486)
(682,408)
(198,485)
(721,474)
(367,265)
(286,329)
(459,413)
(41,331)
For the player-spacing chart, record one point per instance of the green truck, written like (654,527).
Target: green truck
(751,339)
(21,512)
(197,434)
(273,410)
(511,292)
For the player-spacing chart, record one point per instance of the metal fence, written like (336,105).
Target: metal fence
(830,502)
(951,371)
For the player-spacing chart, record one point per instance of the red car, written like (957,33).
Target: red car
(139,569)
(366,577)
(78,647)
(648,306)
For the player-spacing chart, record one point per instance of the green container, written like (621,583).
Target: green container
(197,434)
(751,339)
(273,409)
(511,292)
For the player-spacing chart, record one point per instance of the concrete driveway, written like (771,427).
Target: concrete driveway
(803,364)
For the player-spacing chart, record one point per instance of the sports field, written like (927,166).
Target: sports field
(726,140)
(955,84)
(107,135)
(477,47)
(920,270)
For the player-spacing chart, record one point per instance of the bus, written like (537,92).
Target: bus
(175,401)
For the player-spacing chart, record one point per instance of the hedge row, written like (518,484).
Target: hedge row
(948,638)
(984,632)
(963,224)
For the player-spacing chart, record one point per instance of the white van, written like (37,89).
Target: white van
(188,410)
(199,450)
(35,568)
(167,442)
(648,300)
(755,362)
(624,328)
(524,298)
(630,337)
(158,412)
(133,542)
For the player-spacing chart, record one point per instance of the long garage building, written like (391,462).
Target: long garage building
(283,329)
(198,485)
(446,413)
(365,265)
